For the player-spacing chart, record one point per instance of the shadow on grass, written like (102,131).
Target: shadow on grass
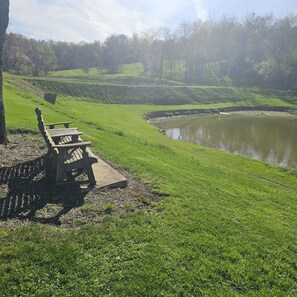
(28,188)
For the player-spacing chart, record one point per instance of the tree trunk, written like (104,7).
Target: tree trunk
(4,9)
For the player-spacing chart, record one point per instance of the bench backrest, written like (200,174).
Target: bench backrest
(43,130)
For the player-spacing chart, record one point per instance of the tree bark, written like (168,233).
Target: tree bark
(4,10)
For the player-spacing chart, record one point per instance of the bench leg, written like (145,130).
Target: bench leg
(60,173)
(88,168)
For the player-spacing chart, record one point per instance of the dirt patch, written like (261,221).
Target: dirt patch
(28,192)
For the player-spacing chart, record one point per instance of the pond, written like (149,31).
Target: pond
(265,136)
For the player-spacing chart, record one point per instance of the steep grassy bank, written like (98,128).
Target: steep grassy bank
(128,94)
(186,112)
(227,226)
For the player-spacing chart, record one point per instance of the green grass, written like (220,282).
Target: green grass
(134,71)
(127,70)
(227,226)
(158,95)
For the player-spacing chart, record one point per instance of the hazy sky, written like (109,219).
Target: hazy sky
(89,20)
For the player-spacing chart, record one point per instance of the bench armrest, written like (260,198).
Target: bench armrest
(72,145)
(52,125)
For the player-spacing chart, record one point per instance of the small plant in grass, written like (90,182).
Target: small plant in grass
(142,199)
(119,133)
(109,208)
(129,207)
(86,207)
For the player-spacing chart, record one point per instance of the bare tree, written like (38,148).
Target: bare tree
(4,9)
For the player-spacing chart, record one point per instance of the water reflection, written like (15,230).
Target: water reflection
(268,137)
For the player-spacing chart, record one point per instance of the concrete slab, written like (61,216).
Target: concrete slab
(106,176)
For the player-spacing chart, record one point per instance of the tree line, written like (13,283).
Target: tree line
(259,50)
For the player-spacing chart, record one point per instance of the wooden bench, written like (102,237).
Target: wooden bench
(69,154)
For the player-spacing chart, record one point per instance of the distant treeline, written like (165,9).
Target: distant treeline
(256,51)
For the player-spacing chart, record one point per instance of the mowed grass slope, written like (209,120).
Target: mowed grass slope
(130,70)
(146,92)
(141,94)
(226,227)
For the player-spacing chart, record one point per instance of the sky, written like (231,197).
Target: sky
(90,20)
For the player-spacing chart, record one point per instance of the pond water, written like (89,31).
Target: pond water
(266,136)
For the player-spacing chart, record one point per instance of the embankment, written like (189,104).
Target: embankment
(184,112)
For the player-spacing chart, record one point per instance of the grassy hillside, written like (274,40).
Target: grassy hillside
(227,226)
(127,70)
(130,94)
(128,74)
(134,72)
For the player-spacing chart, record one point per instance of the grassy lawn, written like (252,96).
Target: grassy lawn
(226,227)
(131,70)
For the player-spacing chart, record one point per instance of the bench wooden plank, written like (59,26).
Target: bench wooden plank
(64,132)
(52,125)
